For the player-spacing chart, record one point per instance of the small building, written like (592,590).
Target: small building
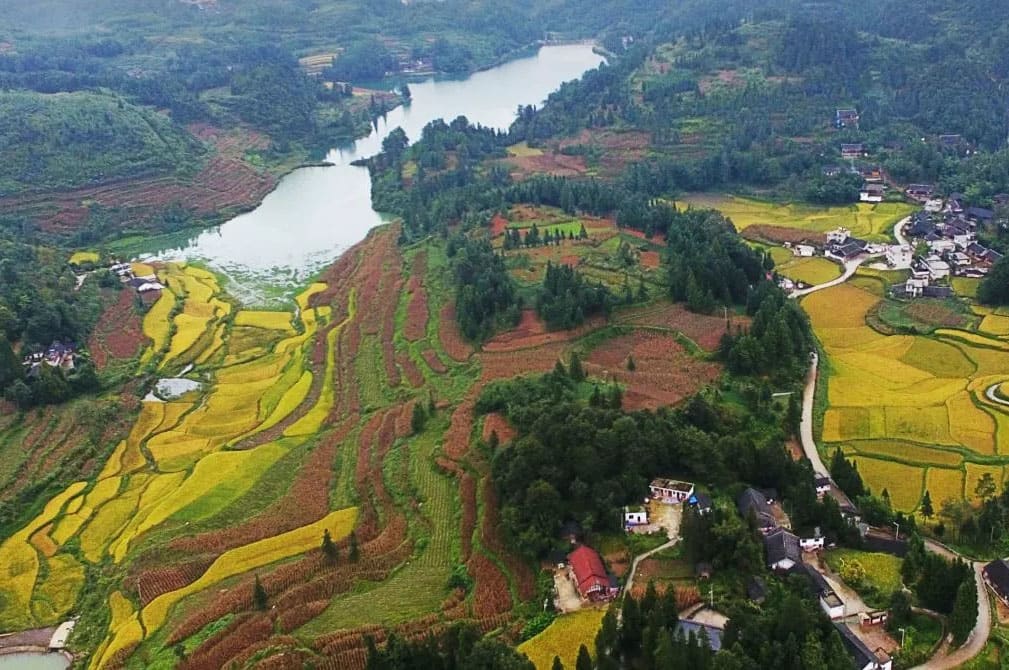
(852,151)
(590,577)
(980,214)
(822,484)
(996,576)
(636,515)
(873,174)
(846,118)
(899,256)
(701,631)
(782,550)
(937,268)
(915,288)
(670,491)
(813,542)
(701,503)
(861,655)
(832,171)
(941,245)
(838,236)
(752,501)
(873,619)
(804,250)
(786,284)
(920,192)
(872,193)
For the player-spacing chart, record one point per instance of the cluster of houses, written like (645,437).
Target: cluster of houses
(950,235)
(61,355)
(147,286)
(784,554)
(668,492)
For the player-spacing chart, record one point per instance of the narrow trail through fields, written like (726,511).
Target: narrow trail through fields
(992,394)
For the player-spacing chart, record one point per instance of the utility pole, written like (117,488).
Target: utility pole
(902,632)
(712,596)
(897,536)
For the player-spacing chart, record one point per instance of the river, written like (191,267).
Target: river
(33,661)
(316,213)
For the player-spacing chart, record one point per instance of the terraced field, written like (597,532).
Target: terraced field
(911,409)
(867,221)
(301,425)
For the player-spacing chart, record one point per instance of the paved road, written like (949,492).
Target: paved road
(806,424)
(898,231)
(979,636)
(849,269)
(992,394)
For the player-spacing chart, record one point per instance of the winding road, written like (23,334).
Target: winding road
(982,628)
(992,394)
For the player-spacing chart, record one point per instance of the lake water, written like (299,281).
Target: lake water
(317,213)
(33,662)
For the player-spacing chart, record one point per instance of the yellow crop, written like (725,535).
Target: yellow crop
(156,324)
(55,595)
(842,306)
(109,520)
(19,564)
(272,395)
(142,269)
(563,638)
(291,400)
(127,635)
(902,482)
(167,448)
(215,345)
(158,487)
(970,425)
(267,367)
(965,286)
(43,541)
(943,485)
(305,295)
(268,320)
(82,257)
(114,464)
(995,324)
(188,329)
(972,338)
(929,425)
(235,469)
(811,270)
(907,451)
(939,358)
(252,556)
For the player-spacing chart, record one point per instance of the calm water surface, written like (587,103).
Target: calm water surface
(33,662)
(317,213)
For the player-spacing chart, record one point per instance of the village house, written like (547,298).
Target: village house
(996,576)
(846,118)
(871,193)
(937,268)
(920,192)
(830,602)
(954,203)
(670,491)
(980,215)
(899,256)
(589,576)
(636,515)
(852,151)
(814,542)
(940,245)
(782,550)
(752,501)
(863,657)
(838,236)
(822,484)
(915,288)
(804,250)
(701,503)
(872,174)
(832,171)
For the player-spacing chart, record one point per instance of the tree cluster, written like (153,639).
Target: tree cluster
(485,295)
(566,299)
(460,647)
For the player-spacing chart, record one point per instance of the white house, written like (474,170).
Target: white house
(941,246)
(822,485)
(635,516)
(914,288)
(786,284)
(812,543)
(804,250)
(871,193)
(832,605)
(670,491)
(937,268)
(782,549)
(838,236)
(899,256)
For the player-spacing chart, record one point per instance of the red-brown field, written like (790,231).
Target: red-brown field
(705,330)
(495,423)
(225,183)
(780,235)
(118,335)
(664,372)
(531,332)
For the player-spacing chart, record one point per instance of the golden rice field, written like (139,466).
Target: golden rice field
(812,271)
(82,257)
(563,638)
(907,405)
(173,467)
(868,221)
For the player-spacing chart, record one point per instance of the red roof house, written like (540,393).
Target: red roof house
(589,574)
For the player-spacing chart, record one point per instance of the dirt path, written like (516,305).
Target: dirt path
(992,394)
(637,559)
(849,270)
(898,231)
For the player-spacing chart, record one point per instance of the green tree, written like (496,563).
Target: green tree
(994,290)
(575,370)
(418,418)
(353,553)
(10,366)
(557,664)
(631,365)
(927,510)
(986,487)
(259,597)
(329,548)
(584,661)
(964,614)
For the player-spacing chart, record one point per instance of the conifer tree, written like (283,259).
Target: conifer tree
(259,597)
